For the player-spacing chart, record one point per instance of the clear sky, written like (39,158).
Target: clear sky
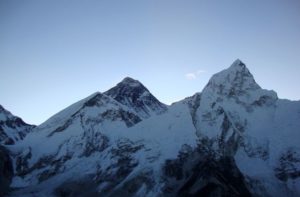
(53,53)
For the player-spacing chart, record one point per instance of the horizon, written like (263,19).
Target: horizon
(53,54)
(102,92)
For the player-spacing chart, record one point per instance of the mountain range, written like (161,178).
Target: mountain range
(232,139)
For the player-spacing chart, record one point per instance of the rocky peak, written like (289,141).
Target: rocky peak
(231,97)
(131,82)
(234,81)
(10,120)
(12,128)
(135,95)
(4,114)
(127,87)
(238,63)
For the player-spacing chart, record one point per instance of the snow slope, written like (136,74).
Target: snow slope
(233,138)
(98,133)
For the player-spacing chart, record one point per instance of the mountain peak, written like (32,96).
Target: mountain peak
(129,80)
(127,87)
(12,128)
(238,63)
(135,95)
(234,80)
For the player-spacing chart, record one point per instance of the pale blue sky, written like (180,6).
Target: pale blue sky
(53,53)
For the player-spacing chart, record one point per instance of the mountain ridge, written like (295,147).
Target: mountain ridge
(234,138)
(12,128)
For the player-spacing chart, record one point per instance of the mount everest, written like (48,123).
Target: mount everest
(232,139)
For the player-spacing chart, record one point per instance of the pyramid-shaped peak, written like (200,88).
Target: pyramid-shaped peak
(126,88)
(136,96)
(128,81)
(238,63)
(238,69)
(235,78)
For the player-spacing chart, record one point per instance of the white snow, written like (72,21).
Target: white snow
(269,124)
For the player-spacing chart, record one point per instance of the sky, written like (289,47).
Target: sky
(54,53)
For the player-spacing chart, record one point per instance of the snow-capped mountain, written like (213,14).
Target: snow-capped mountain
(238,119)
(12,128)
(136,96)
(232,139)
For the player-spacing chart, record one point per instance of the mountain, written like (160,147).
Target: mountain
(136,96)
(232,139)
(12,128)
(240,120)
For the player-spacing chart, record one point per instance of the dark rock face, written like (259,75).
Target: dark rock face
(287,167)
(22,163)
(12,128)
(4,137)
(110,178)
(54,164)
(129,118)
(122,166)
(6,171)
(95,142)
(98,101)
(200,173)
(132,186)
(83,187)
(136,96)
